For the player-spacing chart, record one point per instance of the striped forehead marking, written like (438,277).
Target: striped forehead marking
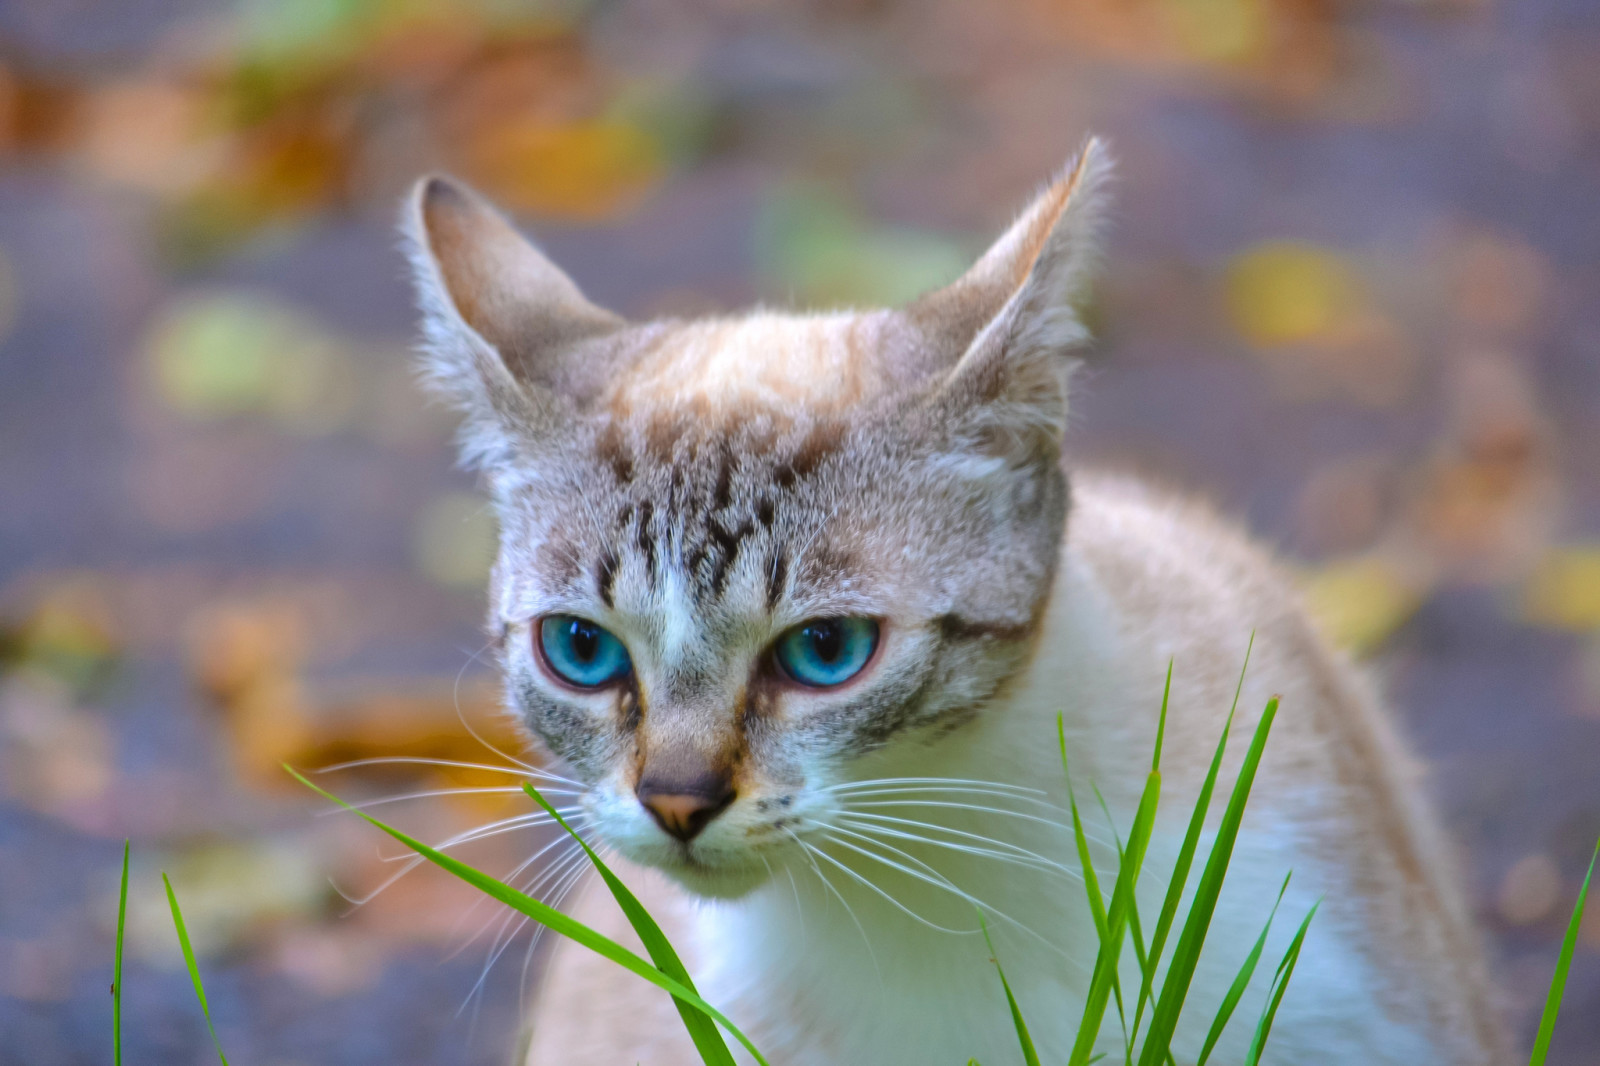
(696,494)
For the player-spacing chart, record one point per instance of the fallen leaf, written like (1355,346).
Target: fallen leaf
(149,134)
(1564,590)
(57,756)
(1485,503)
(454,540)
(1220,31)
(585,170)
(1343,506)
(1498,283)
(1283,292)
(221,354)
(250,660)
(231,892)
(1359,602)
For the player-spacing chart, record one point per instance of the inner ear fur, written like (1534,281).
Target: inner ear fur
(503,327)
(1013,317)
(497,281)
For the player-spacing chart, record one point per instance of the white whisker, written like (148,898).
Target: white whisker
(433,793)
(809,851)
(455,699)
(1010,853)
(878,889)
(977,807)
(557,898)
(995,786)
(509,879)
(559,893)
(508,922)
(417,760)
(412,860)
(921,790)
(531,820)
(501,939)
(938,880)
(527,962)
(815,533)
(794,887)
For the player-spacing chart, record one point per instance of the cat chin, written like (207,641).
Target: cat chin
(715,882)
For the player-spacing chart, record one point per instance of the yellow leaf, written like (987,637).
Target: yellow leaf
(578,169)
(1281,292)
(454,540)
(1360,602)
(1564,591)
(1220,31)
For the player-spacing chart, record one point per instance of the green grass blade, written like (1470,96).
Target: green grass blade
(1161,724)
(1280,985)
(1558,981)
(1191,842)
(1136,932)
(1105,967)
(116,972)
(702,1030)
(1186,954)
(1029,1055)
(1091,882)
(1128,1036)
(1134,927)
(548,916)
(194,967)
(1240,983)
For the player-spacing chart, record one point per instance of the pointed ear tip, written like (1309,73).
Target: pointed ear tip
(438,190)
(440,206)
(1092,162)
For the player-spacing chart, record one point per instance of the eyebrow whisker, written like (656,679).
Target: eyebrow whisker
(515,771)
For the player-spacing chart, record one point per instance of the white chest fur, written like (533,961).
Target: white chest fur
(841,962)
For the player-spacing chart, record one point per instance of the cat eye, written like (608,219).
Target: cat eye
(824,652)
(582,653)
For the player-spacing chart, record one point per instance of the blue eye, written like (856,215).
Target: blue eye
(580,652)
(827,651)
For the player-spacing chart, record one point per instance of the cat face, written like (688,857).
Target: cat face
(739,556)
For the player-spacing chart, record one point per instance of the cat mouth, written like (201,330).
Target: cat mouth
(709,877)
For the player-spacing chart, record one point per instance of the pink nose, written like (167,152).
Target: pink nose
(684,813)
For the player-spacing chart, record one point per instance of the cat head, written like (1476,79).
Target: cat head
(742,558)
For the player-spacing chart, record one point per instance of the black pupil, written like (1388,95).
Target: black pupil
(827,640)
(585,641)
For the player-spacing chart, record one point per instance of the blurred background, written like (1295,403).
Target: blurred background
(1353,295)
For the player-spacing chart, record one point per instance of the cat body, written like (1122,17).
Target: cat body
(1390,971)
(798,599)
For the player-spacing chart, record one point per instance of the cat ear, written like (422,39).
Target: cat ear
(1013,318)
(498,320)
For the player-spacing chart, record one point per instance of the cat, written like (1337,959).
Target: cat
(798,598)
